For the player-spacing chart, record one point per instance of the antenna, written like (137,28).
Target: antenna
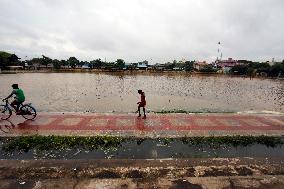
(219,52)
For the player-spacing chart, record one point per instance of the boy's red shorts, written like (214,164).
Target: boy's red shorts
(142,105)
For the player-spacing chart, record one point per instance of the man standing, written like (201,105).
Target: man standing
(142,103)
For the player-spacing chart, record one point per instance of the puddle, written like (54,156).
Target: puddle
(150,149)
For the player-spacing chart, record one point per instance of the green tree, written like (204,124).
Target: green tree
(263,67)
(45,60)
(239,70)
(170,66)
(120,63)
(96,63)
(251,71)
(35,61)
(72,61)
(63,63)
(81,63)
(276,69)
(56,64)
(14,59)
(7,59)
(109,65)
(208,69)
(4,59)
(132,66)
(189,66)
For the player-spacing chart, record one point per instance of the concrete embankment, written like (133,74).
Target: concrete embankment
(198,173)
(170,173)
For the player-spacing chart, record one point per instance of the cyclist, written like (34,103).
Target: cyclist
(19,97)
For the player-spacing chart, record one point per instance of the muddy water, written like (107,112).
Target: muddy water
(82,92)
(150,149)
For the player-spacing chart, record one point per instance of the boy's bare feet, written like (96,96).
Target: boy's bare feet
(144,117)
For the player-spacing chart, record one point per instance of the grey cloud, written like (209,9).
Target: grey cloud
(161,30)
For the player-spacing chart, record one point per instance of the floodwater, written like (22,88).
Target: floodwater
(150,149)
(103,92)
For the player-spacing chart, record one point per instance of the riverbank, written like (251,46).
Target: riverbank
(217,173)
(86,150)
(133,72)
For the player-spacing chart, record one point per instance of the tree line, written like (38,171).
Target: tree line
(255,68)
(7,59)
(249,68)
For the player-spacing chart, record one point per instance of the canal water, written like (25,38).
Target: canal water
(150,149)
(93,92)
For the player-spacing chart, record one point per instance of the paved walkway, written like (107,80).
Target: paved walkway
(170,125)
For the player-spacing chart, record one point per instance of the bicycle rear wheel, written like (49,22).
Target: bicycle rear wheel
(5,112)
(28,112)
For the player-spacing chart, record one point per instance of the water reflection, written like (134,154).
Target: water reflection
(6,126)
(81,92)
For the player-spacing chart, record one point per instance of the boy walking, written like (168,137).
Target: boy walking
(142,103)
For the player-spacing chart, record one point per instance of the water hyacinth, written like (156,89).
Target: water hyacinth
(40,143)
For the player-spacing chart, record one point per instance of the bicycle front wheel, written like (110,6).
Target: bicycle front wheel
(28,112)
(5,112)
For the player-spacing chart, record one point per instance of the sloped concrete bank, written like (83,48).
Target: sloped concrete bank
(158,173)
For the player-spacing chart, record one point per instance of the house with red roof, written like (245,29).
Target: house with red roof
(199,65)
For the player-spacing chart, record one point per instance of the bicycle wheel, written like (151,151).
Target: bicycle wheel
(5,112)
(28,112)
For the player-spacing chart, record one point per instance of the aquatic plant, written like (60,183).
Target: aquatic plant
(188,112)
(238,140)
(25,143)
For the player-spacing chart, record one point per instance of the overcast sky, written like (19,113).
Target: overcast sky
(135,30)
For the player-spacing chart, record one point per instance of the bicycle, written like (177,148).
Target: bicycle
(26,110)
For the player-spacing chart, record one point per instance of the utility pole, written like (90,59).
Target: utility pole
(218,51)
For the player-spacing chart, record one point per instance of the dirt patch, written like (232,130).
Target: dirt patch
(134,174)
(220,171)
(244,171)
(107,174)
(184,184)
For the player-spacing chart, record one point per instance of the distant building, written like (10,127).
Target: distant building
(227,63)
(130,66)
(177,68)
(86,66)
(160,67)
(246,62)
(272,62)
(142,65)
(199,65)
(15,67)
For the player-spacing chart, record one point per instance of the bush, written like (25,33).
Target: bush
(240,69)
(208,69)
(276,69)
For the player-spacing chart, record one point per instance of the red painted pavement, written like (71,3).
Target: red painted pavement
(195,124)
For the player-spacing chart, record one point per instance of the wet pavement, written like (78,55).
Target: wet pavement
(177,172)
(156,125)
